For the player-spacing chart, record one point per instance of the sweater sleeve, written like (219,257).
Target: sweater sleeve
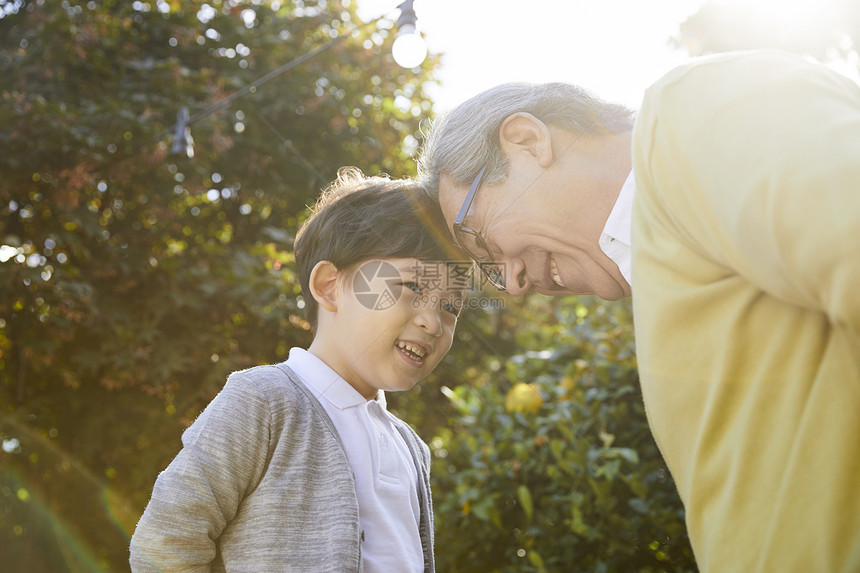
(223,458)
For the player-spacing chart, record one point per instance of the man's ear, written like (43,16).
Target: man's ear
(524,133)
(323,285)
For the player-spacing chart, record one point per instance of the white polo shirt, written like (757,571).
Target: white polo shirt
(386,478)
(615,240)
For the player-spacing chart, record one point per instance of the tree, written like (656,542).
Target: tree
(134,278)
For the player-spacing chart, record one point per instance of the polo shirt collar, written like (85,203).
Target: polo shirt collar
(327,383)
(620,220)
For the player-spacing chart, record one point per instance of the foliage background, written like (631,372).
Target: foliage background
(133,279)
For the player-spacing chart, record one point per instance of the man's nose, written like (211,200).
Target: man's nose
(517,280)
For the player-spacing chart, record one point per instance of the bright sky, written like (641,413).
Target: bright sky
(615,48)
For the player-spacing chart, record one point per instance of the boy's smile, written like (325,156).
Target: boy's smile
(413,351)
(393,321)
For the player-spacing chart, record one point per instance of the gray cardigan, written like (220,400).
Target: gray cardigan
(263,484)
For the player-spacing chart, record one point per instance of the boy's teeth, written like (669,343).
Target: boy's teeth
(556,278)
(417,351)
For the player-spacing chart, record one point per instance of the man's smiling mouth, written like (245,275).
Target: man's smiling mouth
(556,278)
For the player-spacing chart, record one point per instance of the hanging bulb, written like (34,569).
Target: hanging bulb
(409,49)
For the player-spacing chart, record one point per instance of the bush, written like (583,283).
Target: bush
(578,484)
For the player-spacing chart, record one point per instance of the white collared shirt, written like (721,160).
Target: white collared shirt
(615,240)
(386,479)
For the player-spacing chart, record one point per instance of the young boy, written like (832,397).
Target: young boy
(298,466)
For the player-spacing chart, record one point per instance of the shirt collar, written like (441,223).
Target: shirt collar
(325,382)
(620,220)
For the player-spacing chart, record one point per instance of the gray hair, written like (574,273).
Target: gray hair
(466,139)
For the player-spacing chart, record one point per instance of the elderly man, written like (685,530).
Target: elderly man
(743,248)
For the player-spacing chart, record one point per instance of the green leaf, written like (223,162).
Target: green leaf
(525,498)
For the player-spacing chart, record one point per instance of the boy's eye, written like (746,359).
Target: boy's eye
(455,310)
(452,305)
(413,286)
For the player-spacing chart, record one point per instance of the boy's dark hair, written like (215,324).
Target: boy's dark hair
(359,218)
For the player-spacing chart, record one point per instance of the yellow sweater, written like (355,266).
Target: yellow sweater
(746,282)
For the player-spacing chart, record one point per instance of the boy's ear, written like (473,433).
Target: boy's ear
(522,132)
(323,285)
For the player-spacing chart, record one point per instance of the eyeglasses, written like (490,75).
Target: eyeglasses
(473,243)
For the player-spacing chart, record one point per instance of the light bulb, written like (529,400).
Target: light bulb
(409,49)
